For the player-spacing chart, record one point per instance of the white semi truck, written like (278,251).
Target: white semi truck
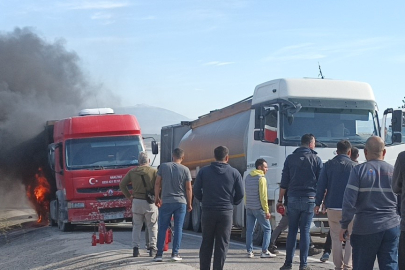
(270,124)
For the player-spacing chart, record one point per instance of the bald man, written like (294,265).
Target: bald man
(369,199)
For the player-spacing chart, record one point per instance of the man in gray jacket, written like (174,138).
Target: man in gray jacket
(370,201)
(398,186)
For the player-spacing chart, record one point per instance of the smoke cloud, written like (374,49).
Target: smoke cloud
(39,81)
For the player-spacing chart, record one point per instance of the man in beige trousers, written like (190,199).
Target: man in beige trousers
(333,179)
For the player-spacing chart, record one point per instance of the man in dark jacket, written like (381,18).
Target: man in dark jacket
(333,179)
(218,187)
(398,186)
(300,176)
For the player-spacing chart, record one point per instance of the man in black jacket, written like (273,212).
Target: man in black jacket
(398,186)
(218,187)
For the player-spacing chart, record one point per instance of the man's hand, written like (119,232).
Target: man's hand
(189,207)
(267,215)
(158,202)
(342,234)
(316,209)
(323,207)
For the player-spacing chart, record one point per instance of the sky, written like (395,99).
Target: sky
(192,57)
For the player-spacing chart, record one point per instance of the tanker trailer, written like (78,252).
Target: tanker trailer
(199,138)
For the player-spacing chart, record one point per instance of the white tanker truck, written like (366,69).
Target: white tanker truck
(270,124)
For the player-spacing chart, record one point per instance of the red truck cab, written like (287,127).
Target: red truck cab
(89,156)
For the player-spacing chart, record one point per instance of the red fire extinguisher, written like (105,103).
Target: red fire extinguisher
(94,239)
(168,239)
(108,236)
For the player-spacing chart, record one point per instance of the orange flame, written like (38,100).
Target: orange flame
(38,193)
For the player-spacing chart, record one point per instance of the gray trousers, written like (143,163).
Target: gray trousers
(282,226)
(143,211)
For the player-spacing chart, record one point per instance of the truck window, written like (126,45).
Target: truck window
(330,125)
(103,152)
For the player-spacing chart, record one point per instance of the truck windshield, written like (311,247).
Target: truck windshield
(330,125)
(103,152)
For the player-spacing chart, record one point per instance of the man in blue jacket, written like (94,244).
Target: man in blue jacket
(218,187)
(333,180)
(300,176)
(398,186)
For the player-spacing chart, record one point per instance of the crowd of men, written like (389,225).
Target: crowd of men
(361,200)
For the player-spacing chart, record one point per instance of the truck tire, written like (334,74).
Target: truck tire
(257,235)
(187,221)
(63,226)
(196,215)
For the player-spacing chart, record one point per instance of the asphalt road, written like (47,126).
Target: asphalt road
(43,248)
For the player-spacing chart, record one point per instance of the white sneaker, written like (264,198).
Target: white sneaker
(176,258)
(267,254)
(250,254)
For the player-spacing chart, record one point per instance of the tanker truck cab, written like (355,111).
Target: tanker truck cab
(90,155)
(285,109)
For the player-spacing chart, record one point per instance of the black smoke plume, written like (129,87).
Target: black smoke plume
(39,81)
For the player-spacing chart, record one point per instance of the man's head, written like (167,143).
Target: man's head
(221,154)
(261,164)
(355,153)
(178,155)
(374,148)
(344,147)
(143,159)
(308,140)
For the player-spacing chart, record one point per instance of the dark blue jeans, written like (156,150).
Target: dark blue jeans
(401,251)
(216,226)
(383,244)
(178,210)
(300,213)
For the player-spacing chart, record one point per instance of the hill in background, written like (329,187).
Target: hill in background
(152,119)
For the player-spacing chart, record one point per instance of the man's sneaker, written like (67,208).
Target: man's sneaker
(273,249)
(152,252)
(135,252)
(267,254)
(324,257)
(250,254)
(286,267)
(305,268)
(158,258)
(176,258)
(313,251)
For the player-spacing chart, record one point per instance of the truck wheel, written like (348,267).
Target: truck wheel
(187,221)
(64,227)
(257,235)
(196,215)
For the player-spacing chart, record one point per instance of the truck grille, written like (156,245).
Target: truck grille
(100,189)
(112,210)
(110,198)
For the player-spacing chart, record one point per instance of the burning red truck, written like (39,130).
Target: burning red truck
(89,155)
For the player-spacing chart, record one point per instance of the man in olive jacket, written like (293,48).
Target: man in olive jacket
(141,209)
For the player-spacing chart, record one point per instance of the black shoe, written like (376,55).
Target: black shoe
(286,267)
(313,251)
(152,252)
(136,252)
(273,249)
(305,268)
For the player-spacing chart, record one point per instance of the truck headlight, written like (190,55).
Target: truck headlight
(71,205)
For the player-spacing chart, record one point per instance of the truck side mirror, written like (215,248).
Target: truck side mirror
(155,147)
(397,121)
(258,135)
(396,137)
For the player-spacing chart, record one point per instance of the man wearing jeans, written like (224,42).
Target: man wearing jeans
(257,208)
(174,182)
(332,181)
(218,187)
(369,199)
(300,176)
